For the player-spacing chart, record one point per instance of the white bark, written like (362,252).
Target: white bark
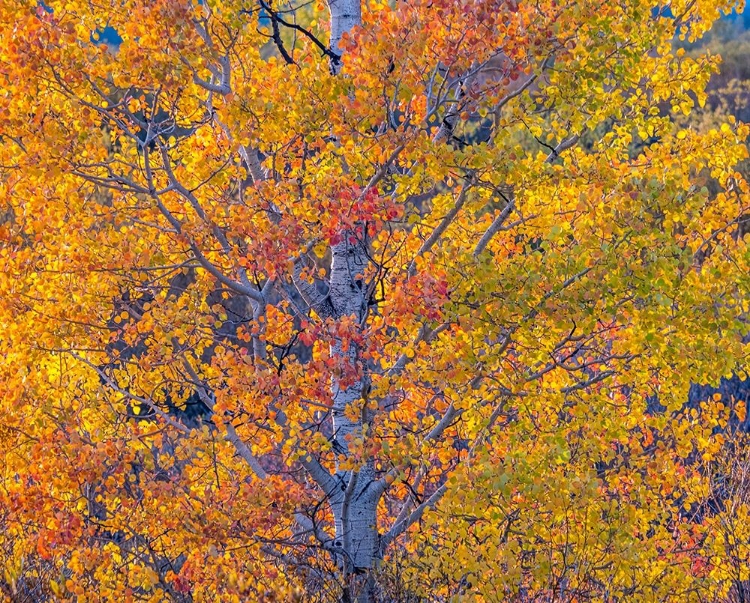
(354,503)
(345,14)
(355,514)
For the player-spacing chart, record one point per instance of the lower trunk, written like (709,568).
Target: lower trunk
(355,514)
(357,539)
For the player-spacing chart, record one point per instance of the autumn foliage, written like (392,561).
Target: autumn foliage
(396,301)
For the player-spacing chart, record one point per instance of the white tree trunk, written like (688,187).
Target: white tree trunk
(355,504)
(345,14)
(354,512)
(347,295)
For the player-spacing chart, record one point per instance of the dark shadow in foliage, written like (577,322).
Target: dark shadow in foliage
(732,390)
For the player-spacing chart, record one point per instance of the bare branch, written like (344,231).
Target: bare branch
(400,527)
(441,228)
(138,399)
(564,145)
(244,289)
(499,221)
(495,227)
(242,449)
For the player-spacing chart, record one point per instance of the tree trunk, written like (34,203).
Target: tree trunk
(345,14)
(355,504)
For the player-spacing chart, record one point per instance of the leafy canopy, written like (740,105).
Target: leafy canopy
(462,261)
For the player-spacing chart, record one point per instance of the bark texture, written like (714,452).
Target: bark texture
(354,503)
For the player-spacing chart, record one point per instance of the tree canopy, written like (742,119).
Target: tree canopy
(375,301)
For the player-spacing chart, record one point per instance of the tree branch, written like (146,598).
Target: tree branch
(441,228)
(242,449)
